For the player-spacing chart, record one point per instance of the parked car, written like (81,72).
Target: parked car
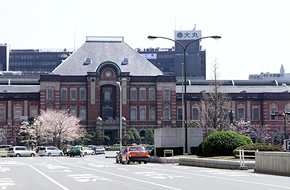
(49,151)
(77,151)
(115,147)
(89,151)
(135,154)
(4,150)
(18,151)
(119,156)
(100,150)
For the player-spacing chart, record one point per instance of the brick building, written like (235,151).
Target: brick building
(87,84)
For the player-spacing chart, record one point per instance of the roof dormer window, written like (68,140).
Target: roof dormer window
(87,61)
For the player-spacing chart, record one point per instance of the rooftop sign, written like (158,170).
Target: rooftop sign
(187,34)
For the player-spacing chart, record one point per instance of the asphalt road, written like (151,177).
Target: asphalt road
(98,172)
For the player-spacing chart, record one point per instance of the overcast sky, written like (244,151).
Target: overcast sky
(255,33)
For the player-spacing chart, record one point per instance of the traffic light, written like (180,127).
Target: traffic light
(31,121)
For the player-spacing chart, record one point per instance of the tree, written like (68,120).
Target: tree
(59,126)
(27,134)
(253,131)
(149,136)
(132,135)
(217,104)
(93,138)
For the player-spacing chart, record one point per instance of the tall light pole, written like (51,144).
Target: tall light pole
(184,75)
(120,87)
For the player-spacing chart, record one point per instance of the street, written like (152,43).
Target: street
(98,172)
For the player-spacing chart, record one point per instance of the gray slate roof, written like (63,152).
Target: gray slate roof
(103,51)
(234,89)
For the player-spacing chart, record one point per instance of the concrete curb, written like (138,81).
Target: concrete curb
(202,162)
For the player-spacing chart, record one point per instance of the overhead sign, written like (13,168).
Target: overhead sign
(149,55)
(187,34)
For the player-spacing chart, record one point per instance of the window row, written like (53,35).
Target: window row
(151,94)
(18,112)
(148,113)
(64,95)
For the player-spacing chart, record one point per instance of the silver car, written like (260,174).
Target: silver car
(18,151)
(49,151)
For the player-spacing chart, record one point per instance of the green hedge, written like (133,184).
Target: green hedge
(259,147)
(160,151)
(222,143)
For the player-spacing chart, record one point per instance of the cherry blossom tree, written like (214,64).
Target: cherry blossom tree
(58,126)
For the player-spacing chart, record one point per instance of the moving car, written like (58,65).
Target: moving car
(135,154)
(4,150)
(89,151)
(49,151)
(77,151)
(149,149)
(100,150)
(119,156)
(18,151)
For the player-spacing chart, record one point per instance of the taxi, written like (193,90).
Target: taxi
(134,154)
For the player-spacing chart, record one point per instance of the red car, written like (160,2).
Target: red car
(135,154)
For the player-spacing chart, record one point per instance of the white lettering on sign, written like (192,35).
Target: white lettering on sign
(149,55)
(288,144)
(187,35)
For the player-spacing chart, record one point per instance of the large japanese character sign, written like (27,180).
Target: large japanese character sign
(187,35)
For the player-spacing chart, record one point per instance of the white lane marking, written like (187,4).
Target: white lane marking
(222,178)
(4,169)
(49,178)
(4,182)
(155,175)
(121,176)
(88,178)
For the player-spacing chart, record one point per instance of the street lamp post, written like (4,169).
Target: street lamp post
(285,115)
(184,75)
(120,87)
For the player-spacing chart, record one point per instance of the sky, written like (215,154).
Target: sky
(255,33)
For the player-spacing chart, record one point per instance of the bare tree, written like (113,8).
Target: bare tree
(217,104)
(58,126)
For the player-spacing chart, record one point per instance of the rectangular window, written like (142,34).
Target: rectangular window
(49,94)
(133,113)
(195,114)
(73,94)
(179,114)
(152,113)
(256,114)
(73,110)
(63,107)
(241,114)
(133,94)
(33,110)
(83,94)
(273,111)
(63,94)
(83,113)
(142,113)
(166,113)
(142,94)
(151,94)
(17,112)
(2,113)
(166,95)
(107,96)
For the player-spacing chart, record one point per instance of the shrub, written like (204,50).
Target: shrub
(222,143)
(259,147)
(199,150)
(247,139)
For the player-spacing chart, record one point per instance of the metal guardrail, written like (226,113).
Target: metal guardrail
(242,156)
(169,152)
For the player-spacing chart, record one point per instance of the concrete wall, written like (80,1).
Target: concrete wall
(168,137)
(273,162)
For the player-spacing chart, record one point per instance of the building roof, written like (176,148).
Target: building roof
(99,51)
(19,88)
